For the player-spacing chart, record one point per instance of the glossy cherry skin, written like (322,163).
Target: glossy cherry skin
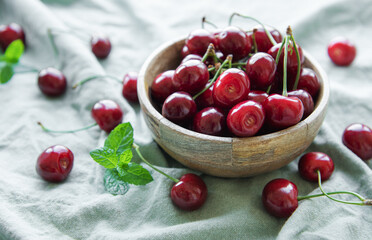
(206,98)
(309,81)
(191,76)
(306,100)
(210,121)
(55,163)
(257,96)
(185,51)
(130,86)
(260,69)
(198,41)
(235,41)
(162,86)
(107,114)
(358,138)
(101,46)
(230,88)
(279,197)
(246,118)
(10,33)
(311,162)
(341,51)
(189,193)
(291,60)
(191,57)
(179,107)
(262,41)
(282,112)
(52,82)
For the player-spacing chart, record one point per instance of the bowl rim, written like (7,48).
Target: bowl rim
(322,100)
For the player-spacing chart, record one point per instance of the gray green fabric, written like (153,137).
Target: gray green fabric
(80,208)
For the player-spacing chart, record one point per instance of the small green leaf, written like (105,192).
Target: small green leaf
(105,156)
(120,139)
(14,51)
(113,183)
(134,173)
(126,156)
(6,73)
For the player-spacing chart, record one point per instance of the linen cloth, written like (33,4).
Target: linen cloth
(80,208)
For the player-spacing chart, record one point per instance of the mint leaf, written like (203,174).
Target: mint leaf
(14,51)
(120,139)
(113,183)
(6,73)
(105,156)
(126,156)
(134,173)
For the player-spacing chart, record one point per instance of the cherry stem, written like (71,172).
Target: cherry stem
(272,40)
(227,61)
(299,198)
(136,147)
(54,46)
(210,53)
(68,131)
(95,77)
(277,58)
(285,66)
(289,31)
(254,40)
(204,20)
(28,68)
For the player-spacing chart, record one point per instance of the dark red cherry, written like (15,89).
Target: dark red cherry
(257,96)
(246,118)
(262,40)
(341,51)
(101,46)
(191,57)
(230,88)
(52,82)
(309,81)
(179,107)
(206,98)
(55,163)
(279,197)
(210,121)
(107,114)
(358,138)
(291,60)
(10,33)
(235,41)
(198,41)
(162,86)
(311,162)
(130,86)
(282,112)
(185,51)
(260,69)
(306,100)
(191,76)
(189,193)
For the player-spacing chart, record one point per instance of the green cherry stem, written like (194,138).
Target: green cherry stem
(285,66)
(211,53)
(289,31)
(272,40)
(68,131)
(204,20)
(136,148)
(227,61)
(96,77)
(254,40)
(277,58)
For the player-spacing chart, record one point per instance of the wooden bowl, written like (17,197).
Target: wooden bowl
(226,156)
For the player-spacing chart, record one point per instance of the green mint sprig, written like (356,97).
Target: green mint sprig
(10,57)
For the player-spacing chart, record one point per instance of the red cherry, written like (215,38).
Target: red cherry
(262,41)
(206,98)
(101,46)
(341,51)
(246,118)
(130,86)
(184,52)
(358,138)
(179,107)
(189,193)
(230,88)
(191,57)
(261,68)
(162,86)
(198,41)
(279,197)
(291,60)
(55,163)
(235,41)
(191,76)
(107,114)
(309,81)
(282,112)
(52,82)
(311,162)
(210,121)
(257,96)
(306,100)
(10,33)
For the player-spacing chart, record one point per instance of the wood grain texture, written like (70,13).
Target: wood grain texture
(225,156)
